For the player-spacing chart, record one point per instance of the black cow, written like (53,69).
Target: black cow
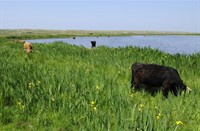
(152,77)
(93,44)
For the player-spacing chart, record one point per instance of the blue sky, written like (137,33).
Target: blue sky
(145,15)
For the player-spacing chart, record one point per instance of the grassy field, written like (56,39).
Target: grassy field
(65,87)
(37,34)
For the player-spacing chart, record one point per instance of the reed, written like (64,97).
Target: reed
(65,87)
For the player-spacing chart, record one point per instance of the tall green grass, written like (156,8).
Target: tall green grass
(65,87)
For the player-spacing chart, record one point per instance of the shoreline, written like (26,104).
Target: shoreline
(39,34)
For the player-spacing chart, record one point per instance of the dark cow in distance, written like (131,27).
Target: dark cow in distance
(152,77)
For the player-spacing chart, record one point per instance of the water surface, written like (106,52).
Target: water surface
(172,44)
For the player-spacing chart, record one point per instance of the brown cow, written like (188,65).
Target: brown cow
(152,77)
(28,47)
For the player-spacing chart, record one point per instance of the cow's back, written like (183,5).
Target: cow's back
(152,74)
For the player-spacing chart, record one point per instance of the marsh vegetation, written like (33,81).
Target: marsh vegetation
(65,87)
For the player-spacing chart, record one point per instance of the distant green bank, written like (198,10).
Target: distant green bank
(37,34)
(65,87)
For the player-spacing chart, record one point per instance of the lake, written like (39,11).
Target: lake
(183,44)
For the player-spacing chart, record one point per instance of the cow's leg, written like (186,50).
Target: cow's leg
(137,86)
(132,84)
(132,79)
(165,90)
(175,91)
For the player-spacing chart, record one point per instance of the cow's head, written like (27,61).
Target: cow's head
(183,87)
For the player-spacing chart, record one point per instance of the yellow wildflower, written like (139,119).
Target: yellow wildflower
(158,116)
(52,99)
(92,104)
(19,103)
(31,85)
(179,123)
(22,107)
(141,107)
(38,82)
(95,108)
(97,87)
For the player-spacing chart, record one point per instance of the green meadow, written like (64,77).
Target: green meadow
(62,87)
